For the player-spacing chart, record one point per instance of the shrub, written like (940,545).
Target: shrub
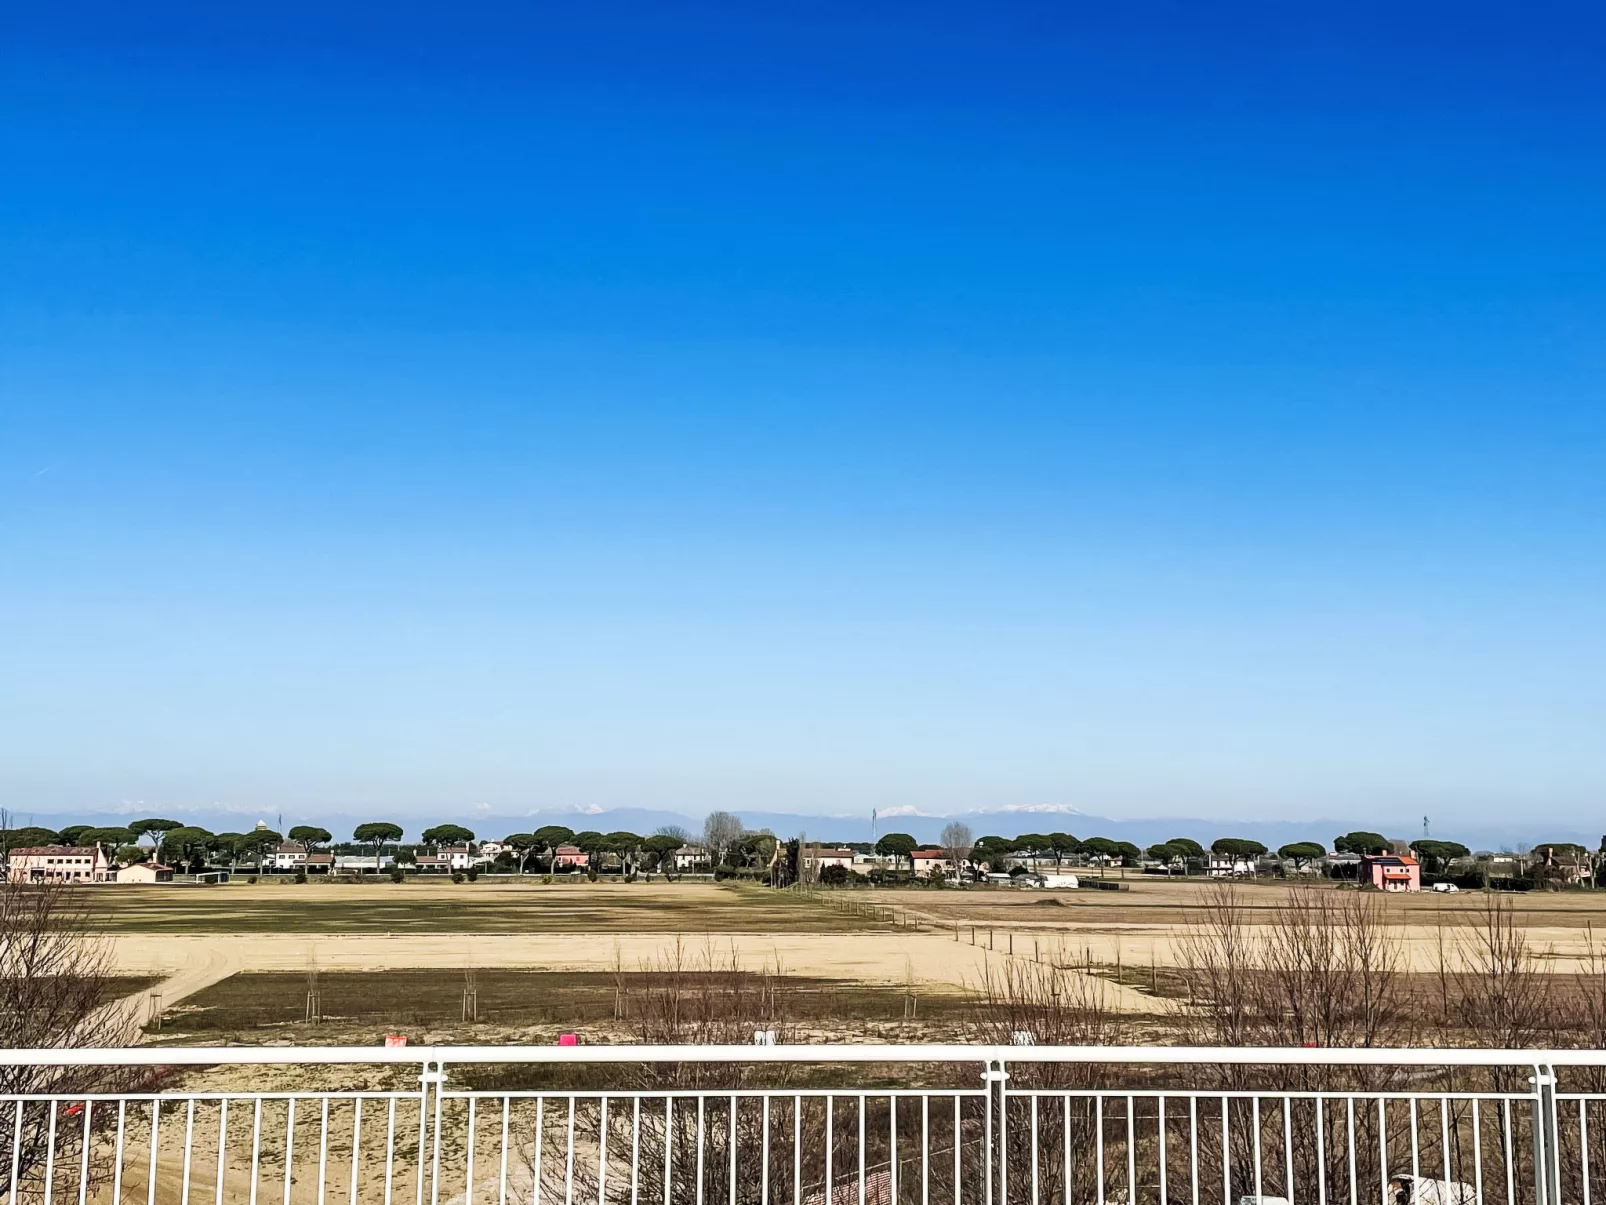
(301,876)
(457,876)
(546,879)
(831,876)
(473,873)
(397,875)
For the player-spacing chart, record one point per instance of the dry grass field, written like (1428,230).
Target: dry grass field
(540,949)
(488,906)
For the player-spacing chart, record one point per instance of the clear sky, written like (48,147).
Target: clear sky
(1157,409)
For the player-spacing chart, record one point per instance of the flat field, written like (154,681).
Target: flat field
(488,906)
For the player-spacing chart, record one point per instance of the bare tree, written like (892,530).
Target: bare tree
(720,831)
(956,842)
(54,995)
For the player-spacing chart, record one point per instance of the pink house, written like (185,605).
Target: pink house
(565,856)
(1391,872)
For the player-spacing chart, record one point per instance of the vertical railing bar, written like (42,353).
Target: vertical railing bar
(1098,1143)
(1003,1134)
(830,1153)
(892,1129)
(1160,1124)
(1511,1171)
(1583,1144)
(1226,1153)
(798,1105)
(635,1152)
(925,1150)
(861,1148)
(602,1152)
(50,1104)
(669,1146)
(1382,1149)
(764,1156)
(1416,1152)
(222,1148)
(731,1142)
(117,1156)
(323,1146)
(468,1155)
(150,1185)
(423,1131)
(1477,1152)
(16,1152)
(356,1146)
(501,1175)
(701,1139)
(1349,1129)
(87,1138)
(390,1147)
(1321,1151)
(1034,1151)
(1131,1150)
(1254,1125)
(189,1148)
(568,1158)
(438,1081)
(1444,1135)
(1193,1145)
(1065,1147)
(289,1145)
(958,1134)
(1288,1148)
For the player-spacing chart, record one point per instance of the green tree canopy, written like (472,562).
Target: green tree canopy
(660,848)
(73,834)
(1436,855)
(551,836)
(1237,847)
(1301,852)
(1101,847)
(310,836)
(992,851)
(1362,842)
(897,846)
(1165,852)
(185,842)
(153,828)
(1189,847)
(448,834)
(377,833)
(26,838)
(1128,852)
(106,836)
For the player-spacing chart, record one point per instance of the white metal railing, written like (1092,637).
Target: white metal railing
(801,1125)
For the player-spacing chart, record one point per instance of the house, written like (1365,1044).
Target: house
(289,856)
(930,862)
(568,857)
(431,863)
(462,857)
(145,872)
(1391,872)
(690,857)
(490,849)
(58,864)
(817,858)
(320,863)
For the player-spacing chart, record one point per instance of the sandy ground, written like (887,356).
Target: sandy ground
(194,961)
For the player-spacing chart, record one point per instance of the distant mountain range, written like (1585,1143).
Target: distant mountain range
(1006,822)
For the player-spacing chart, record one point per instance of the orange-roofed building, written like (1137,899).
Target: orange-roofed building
(1391,872)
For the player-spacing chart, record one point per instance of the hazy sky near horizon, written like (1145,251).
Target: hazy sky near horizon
(1155,409)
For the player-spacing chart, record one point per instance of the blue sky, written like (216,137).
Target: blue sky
(1153,409)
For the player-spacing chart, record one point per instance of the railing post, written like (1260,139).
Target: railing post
(430,1082)
(1546,1138)
(994,1078)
